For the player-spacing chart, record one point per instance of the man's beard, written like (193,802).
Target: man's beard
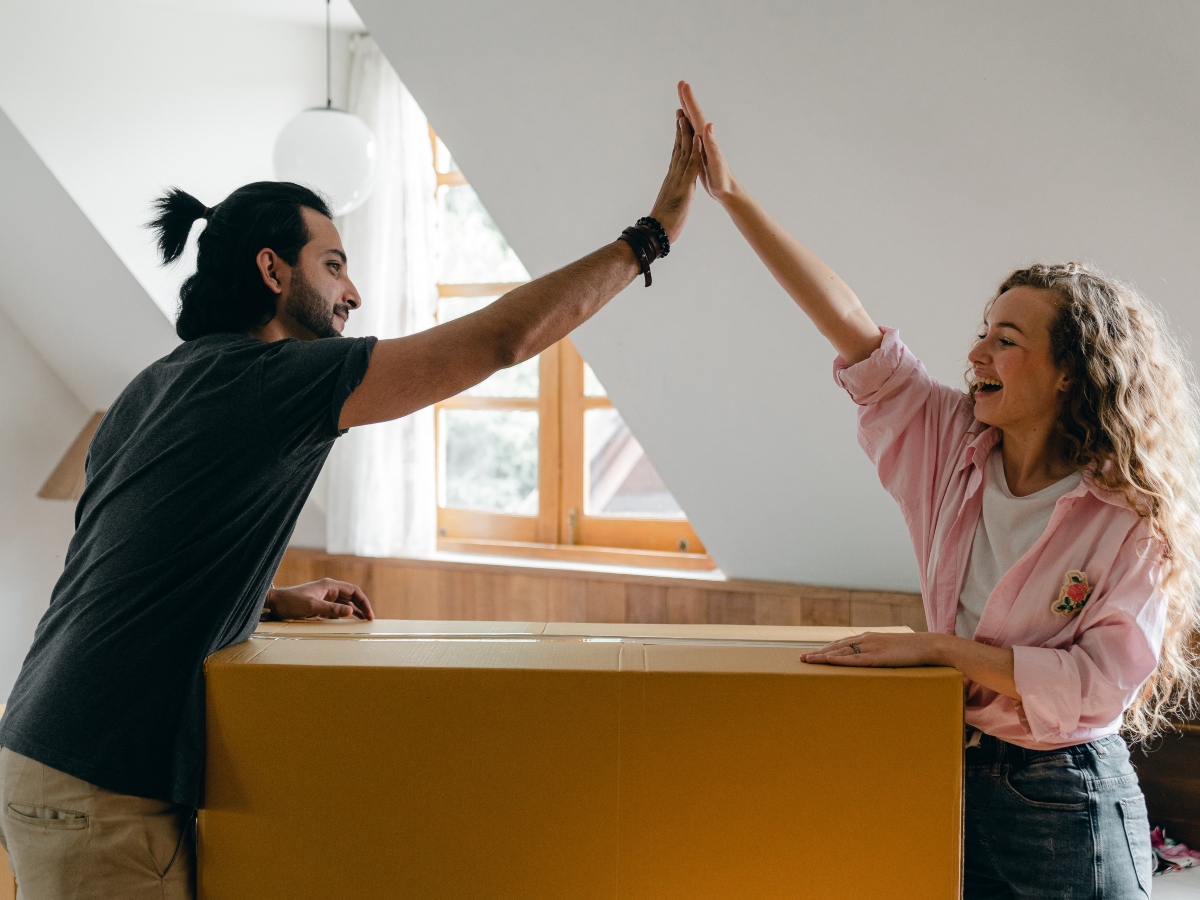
(309,309)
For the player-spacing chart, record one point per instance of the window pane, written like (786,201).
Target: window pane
(450,308)
(591,384)
(473,249)
(620,478)
(491,460)
(519,381)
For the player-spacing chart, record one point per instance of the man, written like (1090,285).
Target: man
(195,479)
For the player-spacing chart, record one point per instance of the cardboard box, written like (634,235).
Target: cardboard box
(505,760)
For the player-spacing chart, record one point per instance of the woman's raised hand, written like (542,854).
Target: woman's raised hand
(715,174)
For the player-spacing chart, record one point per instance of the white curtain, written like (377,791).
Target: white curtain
(382,494)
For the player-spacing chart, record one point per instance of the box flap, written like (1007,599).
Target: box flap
(463,652)
(391,627)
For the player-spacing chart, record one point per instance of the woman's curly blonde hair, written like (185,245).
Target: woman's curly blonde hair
(1131,419)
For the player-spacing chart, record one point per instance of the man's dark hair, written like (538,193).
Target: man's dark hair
(227,293)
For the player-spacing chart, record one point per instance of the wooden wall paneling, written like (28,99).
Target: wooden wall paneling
(732,608)
(645,603)
(604,601)
(778,609)
(443,589)
(872,609)
(825,606)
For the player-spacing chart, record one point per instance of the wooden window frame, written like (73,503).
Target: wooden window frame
(562,530)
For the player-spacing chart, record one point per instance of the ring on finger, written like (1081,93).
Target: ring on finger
(854,646)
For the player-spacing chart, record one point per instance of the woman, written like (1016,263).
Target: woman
(1053,508)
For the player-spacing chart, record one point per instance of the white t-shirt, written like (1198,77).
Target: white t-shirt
(1008,527)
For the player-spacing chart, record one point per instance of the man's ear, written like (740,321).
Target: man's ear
(270,266)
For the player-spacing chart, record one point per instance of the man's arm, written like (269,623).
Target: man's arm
(408,373)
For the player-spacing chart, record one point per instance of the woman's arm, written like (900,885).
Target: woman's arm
(983,664)
(815,287)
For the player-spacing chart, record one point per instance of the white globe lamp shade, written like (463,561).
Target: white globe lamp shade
(329,150)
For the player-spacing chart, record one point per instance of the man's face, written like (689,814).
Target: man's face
(319,294)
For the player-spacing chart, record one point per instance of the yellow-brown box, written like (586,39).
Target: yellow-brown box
(522,760)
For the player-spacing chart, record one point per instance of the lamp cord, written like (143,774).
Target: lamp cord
(328,83)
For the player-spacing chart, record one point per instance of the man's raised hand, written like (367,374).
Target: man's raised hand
(678,189)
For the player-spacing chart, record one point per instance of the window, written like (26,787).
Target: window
(536,460)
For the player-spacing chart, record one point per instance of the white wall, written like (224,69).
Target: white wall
(925,149)
(123,98)
(39,418)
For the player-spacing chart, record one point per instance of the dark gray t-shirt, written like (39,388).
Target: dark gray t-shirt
(195,479)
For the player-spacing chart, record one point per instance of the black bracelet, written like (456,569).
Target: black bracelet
(639,240)
(655,226)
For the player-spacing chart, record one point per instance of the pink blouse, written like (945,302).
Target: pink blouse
(1082,610)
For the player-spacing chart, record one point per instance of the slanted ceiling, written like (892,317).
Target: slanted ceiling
(64,287)
(925,149)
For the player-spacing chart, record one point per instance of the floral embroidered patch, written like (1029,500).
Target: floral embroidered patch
(1074,594)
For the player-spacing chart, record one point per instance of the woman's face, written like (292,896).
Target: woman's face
(1017,385)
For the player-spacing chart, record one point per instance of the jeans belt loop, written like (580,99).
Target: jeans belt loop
(973,737)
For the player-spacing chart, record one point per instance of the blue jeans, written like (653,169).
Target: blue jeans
(1068,823)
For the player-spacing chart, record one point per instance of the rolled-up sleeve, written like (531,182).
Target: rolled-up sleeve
(909,425)
(1092,682)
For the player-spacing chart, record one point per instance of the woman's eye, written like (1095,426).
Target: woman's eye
(980,337)
(1006,342)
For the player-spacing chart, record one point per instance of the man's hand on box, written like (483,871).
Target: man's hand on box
(323,599)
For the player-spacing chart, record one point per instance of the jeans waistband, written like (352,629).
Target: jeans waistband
(988,750)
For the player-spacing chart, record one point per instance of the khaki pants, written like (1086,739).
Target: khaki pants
(70,840)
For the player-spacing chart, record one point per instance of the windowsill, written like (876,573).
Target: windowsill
(516,562)
(580,558)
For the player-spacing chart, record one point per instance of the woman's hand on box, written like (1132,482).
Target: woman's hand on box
(992,667)
(321,599)
(876,649)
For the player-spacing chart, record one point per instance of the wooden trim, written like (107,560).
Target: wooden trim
(549,445)
(69,477)
(453,178)
(479,289)
(464,401)
(470,524)
(664,535)
(571,502)
(610,556)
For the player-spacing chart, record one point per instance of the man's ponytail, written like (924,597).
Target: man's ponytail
(176,211)
(226,293)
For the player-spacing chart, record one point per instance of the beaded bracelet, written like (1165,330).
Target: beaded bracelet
(659,232)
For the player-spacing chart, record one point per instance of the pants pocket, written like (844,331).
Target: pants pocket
(47,817)
(1137,835)
(1058,786)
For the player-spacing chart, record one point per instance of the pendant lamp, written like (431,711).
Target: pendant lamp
(328,149)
